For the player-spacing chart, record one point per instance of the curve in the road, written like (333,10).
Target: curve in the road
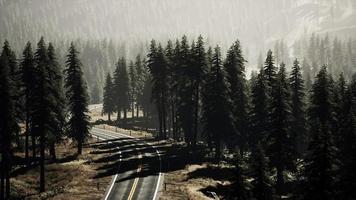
(138,186)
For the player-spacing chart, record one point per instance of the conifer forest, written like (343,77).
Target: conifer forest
(189,99)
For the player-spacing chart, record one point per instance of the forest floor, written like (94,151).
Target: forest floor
(71,177)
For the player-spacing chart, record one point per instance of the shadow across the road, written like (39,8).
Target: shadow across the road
(122,155)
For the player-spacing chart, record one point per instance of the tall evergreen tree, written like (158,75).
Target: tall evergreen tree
(7,124)
(42,110)
(121,89)
(140,74)
(169,53)
(219,122)
(280,142)
(235,68)
(157,65)
(198,73)
(78,125)
(185,91)
(57,120)
(15,82)
(320,163)
(347,146)
(27,72)
(259,113)
(298,107)
(132,86)
(270,71)
(108,99)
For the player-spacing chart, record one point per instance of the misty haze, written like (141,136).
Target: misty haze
(178,99)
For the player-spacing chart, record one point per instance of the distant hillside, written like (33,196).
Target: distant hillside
(256,23)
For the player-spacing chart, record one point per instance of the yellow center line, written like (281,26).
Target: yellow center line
(132,192)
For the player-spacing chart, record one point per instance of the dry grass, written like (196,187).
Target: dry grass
(189,182)
(71,179)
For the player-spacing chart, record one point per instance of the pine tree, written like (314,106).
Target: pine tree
(42,113)
(270,71)
(174,86)
(280,143)
(157,65)
(169,54)
(140,74)
(219,122)
(108,98)
(121,89)
(259,113)
(198,73)
(7,124)
(342,103)
(235,71)
(133,87)
(15,82)
(320,162)
(27,72)
(78,125)
(57,120)
(347,146)
(185,91)
(116,83)
(298,108)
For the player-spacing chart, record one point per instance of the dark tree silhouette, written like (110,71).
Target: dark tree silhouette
(28,72)
(76,92)
(235,68)
(108,98)
(157,65)
(320,162)
(7,123)
(280,142)
(298,108)
(259,110)
(57,119)
(219,122)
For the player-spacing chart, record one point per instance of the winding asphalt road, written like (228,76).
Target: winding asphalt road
(139,168)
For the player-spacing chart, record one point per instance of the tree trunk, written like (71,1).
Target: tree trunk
(109,117)
(42,175)
(195,134)
(173,122)
(133,108)
(217,149)
(118,115)
(26,140)
(2,181)
(160,120)
(7,174)
(33,149)
(80,145)
(280,180)
(137,110)
(125,117)
(146,120)
(164,118)
(53,151)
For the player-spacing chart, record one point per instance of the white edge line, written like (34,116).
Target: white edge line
(159,156)
(115,177)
